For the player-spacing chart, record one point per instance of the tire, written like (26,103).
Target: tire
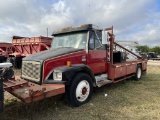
(17,62)
(2,59)
(11,60)
(5,59)
(80,90)
(138,72)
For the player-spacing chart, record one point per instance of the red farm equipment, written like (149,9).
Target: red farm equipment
(5,50)
(25,46)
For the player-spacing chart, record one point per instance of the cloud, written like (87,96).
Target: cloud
(138,20)
(59,16)
(149,33)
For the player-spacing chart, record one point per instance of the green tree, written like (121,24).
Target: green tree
(156,49)
(144,48)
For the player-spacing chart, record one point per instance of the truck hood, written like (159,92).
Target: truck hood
(47,54)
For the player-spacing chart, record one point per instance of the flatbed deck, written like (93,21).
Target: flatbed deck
(121,71)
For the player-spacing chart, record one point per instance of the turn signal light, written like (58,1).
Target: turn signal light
(69,63)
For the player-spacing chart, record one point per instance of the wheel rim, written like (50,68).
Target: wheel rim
(139,73)
(82,90)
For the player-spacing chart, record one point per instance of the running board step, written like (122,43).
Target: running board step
(103,82)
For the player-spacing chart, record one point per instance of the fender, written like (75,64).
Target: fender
(69,72)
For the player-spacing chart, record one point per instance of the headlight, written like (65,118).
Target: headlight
(57,76)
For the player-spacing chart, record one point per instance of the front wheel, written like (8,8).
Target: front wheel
(138,72)
(80,90)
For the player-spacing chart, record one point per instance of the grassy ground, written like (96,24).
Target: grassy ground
(128,100)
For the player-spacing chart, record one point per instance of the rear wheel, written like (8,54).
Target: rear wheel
(17,62)
(80,90)
(138,72)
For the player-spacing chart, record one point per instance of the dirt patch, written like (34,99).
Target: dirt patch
(153,63)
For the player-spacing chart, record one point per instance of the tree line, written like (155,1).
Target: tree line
(145,48)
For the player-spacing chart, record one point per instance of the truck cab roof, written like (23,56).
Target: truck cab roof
(83,27)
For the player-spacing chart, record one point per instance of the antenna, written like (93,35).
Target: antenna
(89,13)
(47,32)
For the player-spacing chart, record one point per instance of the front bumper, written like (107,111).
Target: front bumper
(29,92)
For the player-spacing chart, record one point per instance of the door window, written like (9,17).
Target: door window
(96,40)
(92,41)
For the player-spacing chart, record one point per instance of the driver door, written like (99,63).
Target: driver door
(96,53)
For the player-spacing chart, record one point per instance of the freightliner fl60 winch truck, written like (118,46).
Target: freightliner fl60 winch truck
(80,59)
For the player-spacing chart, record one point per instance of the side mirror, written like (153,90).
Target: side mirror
(104,37)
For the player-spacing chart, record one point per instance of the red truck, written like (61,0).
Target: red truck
(25,46)
(80,59)
(5,50)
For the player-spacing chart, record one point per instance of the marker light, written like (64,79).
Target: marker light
(69,63)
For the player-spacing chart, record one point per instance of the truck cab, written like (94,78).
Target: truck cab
(79,59)
(80,46)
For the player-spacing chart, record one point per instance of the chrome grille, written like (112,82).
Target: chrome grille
(31,70)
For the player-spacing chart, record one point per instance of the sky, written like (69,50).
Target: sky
(137,20)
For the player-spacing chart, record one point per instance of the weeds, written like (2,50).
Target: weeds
(128,100)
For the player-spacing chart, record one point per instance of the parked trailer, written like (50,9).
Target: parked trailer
(80,59)
(25,46)
(5,50)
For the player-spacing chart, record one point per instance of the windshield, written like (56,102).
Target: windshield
(74,40)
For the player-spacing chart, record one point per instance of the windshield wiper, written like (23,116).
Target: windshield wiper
(67,47)
(64,47)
